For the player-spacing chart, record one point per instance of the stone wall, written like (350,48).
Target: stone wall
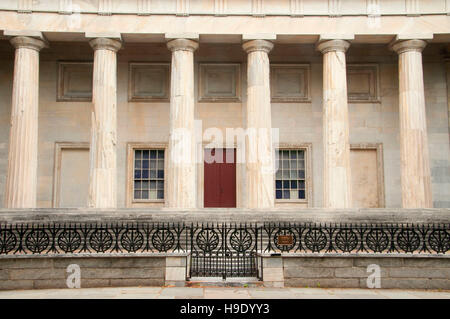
(49,272)
(351,272)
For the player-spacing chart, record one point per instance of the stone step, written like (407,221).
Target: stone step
(246,282)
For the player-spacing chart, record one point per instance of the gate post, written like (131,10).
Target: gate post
(176,271)
(273,275)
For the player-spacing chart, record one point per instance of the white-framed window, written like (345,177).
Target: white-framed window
(292,177)
(146,174)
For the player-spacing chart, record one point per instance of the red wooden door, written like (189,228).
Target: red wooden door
(220,178)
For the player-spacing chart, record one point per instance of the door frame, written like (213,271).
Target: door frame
(201,173)
(59,147)
(378,147)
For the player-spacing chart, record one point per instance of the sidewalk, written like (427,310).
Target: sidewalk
(222,293)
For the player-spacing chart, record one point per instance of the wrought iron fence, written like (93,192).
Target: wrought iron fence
(154,237)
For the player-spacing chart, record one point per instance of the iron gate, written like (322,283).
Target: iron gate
(224,250)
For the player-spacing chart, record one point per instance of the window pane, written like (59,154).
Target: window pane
(293,164)
(294,174)
(278,184)
(137,164)
(301,174)
(301,194)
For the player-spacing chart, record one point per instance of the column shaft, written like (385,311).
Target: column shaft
(415,166)
(181,187)
(21,182)
(337,177)
(259,149)
(103,174)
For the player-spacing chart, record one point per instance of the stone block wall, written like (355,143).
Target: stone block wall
(48,272)
(351,272)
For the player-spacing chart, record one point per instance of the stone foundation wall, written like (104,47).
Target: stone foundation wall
(49,272)
(351,272)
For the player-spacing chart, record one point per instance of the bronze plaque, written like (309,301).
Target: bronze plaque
(285,240)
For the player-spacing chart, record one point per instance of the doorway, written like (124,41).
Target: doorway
(219,177)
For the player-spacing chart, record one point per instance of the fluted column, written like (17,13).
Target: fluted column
(258,149)
(102,173)
(337,191)
(181,187)
(21,181)
(447,67)
(415,163)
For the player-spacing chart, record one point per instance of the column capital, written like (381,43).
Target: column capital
(257,45)
(20,42)
(408,45)
(333,45)
(105,44)
(182,44)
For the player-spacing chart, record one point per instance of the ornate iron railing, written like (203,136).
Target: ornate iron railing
(154,237)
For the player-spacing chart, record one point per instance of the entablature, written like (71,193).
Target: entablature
(256,8)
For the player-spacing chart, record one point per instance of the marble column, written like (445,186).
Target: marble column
(337,192)
(415,163)
(181,177)
(103,173)
(447,67)
(258,148)
(21,181)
